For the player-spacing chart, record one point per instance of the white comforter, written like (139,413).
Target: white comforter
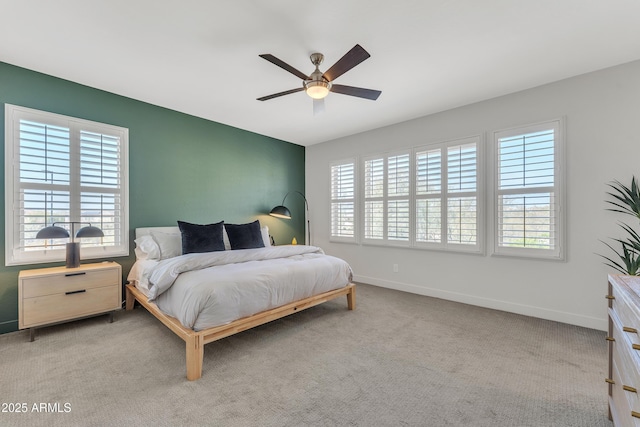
(215,288)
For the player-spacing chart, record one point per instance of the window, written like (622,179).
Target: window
(446,196)
(387,187)
(62,169)
(343,200)
(427,197)
(432,196)
(529,191)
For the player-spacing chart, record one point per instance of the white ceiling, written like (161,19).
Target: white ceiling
(201,56)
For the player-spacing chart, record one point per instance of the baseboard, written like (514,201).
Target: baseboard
(527,310)
(8,326)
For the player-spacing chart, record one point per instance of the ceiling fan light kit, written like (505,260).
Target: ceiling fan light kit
(318,84)
(317,89)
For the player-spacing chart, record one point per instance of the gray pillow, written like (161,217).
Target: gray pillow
(245,236)
(198,238)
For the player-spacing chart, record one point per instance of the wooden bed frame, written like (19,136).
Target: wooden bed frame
(195,341)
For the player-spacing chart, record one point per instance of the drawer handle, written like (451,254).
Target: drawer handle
(610,338)
(609,380)
(631,330)
(75,274)
(609,297)
(629,388)
(75,292)
(635,346)
(635,414)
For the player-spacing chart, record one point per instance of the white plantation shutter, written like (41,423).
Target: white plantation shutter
(374,189)
(398,187)
(428,194)
(343,201)
(461,220)
(100,181)
(462,177)
(61,169)
(529,191)
(43,195)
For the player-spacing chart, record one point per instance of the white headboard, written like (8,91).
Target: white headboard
(144,231)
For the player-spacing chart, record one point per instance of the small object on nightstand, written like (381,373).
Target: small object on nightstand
(294,241)
(73,247)
(54,295)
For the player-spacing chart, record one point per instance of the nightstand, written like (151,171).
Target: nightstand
(55,295)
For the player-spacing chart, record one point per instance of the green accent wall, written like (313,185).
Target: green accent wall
(181,167)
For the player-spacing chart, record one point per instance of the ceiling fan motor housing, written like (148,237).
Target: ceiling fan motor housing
(317,87)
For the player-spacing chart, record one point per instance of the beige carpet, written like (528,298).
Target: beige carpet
(397,360)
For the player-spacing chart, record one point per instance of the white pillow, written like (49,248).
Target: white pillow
(170,244)
(263,230)
(265,236)
(147,248)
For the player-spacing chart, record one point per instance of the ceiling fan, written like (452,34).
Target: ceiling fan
(318,84)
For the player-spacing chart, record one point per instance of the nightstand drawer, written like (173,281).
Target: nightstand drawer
(79,302)
(71,280)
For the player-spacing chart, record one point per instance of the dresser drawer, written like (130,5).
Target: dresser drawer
(627,360)
(64,306)
(68,282)
(620,409)
(629,320)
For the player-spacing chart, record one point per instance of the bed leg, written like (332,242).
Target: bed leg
(130,299)
(195,355)
(351,299)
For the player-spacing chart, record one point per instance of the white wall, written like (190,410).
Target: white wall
(602,112)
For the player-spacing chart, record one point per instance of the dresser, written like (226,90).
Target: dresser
(624,350)
(53,295)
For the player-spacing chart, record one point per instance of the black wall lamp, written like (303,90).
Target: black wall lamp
(283,212)
(73,248)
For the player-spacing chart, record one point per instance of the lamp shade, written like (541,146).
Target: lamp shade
(52,232)
(280,212)
(89,231)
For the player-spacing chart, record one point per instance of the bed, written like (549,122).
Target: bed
(206,296)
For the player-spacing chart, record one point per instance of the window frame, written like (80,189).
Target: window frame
(559,189)
(13,115)
(445,195)
(385,198)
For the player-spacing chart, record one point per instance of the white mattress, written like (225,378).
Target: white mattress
(206,290)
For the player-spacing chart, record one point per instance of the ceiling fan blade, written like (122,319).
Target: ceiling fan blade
(356,91)
(352,58)
(275,95)
(280,63)
(318,106)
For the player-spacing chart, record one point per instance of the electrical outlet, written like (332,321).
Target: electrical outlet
(395,268)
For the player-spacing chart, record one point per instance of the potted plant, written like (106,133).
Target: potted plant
(626,200)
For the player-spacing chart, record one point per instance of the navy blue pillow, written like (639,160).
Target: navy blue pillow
(245,236)
(198,238)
